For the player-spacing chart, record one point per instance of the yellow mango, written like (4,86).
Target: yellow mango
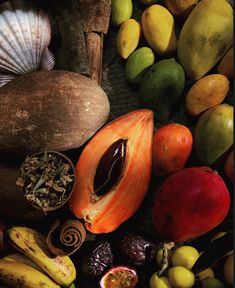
(128,37)
(225,66)
(206,93)
(180,8)
(206,36)
(159,29)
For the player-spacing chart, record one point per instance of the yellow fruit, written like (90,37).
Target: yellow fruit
(225,66)
(228,270)
(19,275)
(159,29)
(184,256)
(203,41)
(33,245)
(159,282)
(206,93)
(180,8)
(128,37)
(207,273)
(121,11)
(181,277)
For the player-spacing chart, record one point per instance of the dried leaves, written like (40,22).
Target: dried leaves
(46,179)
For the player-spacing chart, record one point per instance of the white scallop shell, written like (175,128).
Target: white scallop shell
(25,34)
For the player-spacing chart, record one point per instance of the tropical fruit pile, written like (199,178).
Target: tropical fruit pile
(144,199)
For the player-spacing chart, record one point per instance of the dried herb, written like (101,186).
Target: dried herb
(46,179)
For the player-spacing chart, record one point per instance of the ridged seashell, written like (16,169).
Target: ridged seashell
(25,34)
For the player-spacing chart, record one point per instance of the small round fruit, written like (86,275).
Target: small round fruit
(205,274)
(212,283)
(181,277)
(121,11)
(172,146)
(228,270)
(184,256)
(138,63)
(159,282)
(119,276)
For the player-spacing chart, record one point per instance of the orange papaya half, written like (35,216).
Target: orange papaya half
(113,172)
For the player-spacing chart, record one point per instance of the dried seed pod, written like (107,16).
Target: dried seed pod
(66,238)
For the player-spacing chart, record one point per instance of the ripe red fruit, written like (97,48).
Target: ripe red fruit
(190,203)
(172,146)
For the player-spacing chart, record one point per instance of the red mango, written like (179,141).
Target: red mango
(189,203)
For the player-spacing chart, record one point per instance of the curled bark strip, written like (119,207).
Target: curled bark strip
(66,238)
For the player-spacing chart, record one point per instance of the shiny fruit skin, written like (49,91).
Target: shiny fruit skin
(213,135)
(206,93)
(159,282)
(190,203)
(181,277)
(212,283)
(228,167)
(228,270)
(184,256)
(121,11)
(172,146)
(128,37)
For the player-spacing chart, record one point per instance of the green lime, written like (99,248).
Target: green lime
(138,63)
(121,11)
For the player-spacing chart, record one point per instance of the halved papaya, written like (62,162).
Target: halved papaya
(113,172)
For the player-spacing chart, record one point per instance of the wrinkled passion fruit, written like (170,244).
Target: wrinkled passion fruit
(119,277)
(97,260)
(136,250)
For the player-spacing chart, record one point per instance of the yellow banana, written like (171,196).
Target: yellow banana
(32,244)
(21,258)
(19,275)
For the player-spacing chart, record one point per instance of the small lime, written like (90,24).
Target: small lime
(138,63)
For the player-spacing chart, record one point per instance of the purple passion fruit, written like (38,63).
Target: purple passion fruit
(119,277)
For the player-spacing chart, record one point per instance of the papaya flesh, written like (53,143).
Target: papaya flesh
(206,36)
(105,209)
(213,134)
(190,203)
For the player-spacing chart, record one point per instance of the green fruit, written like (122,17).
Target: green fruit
(162,86)
(214,133)
(159,282)
(181,277)
(212,283)
(138,63)
(121,11)
(185,256)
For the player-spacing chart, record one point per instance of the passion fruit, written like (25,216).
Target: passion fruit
(119,277)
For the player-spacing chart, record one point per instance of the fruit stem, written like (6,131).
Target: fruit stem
(165,256)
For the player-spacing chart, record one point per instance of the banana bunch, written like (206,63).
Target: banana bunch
(34,265)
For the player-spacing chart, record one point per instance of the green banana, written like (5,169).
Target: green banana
(19,275)
(32,244)
(21,258)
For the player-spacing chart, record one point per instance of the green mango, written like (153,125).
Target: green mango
(213,134)
(161,87)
